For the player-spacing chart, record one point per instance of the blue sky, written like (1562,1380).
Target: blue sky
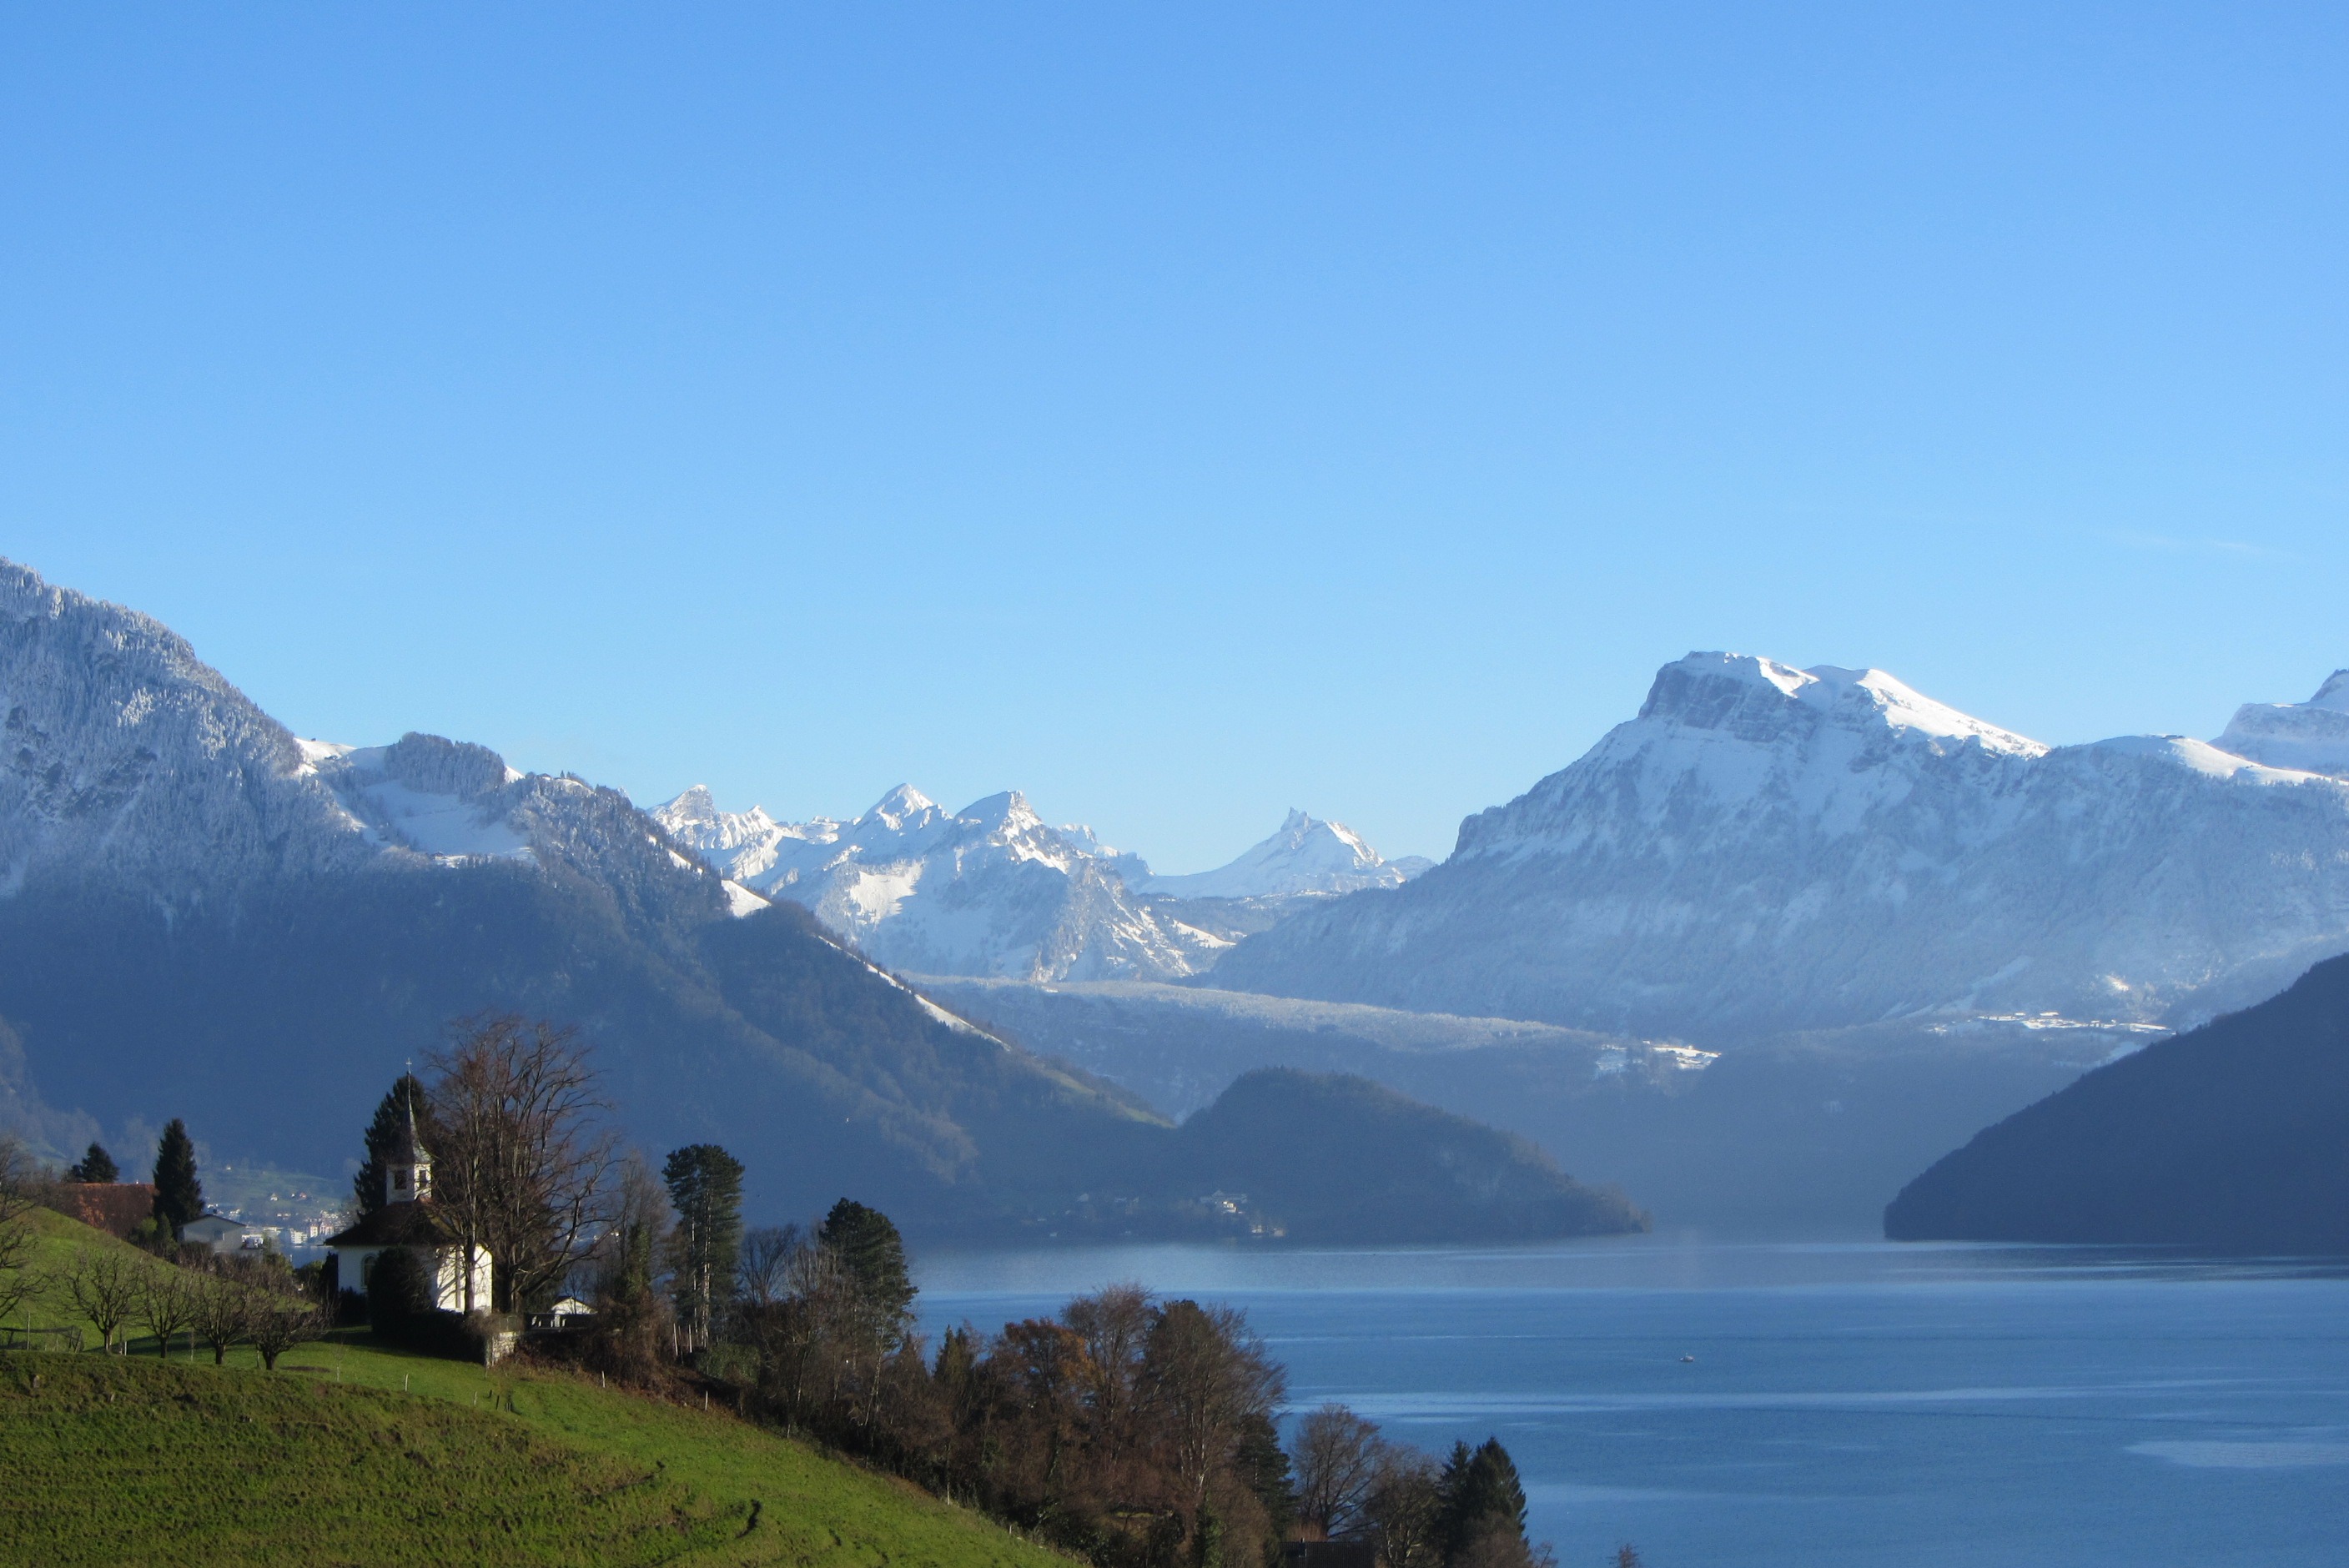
(1180,413)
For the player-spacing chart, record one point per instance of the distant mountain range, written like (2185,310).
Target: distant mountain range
(202,916)
(990,890)
(1765,849)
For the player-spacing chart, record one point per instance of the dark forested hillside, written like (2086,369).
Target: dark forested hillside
(273,1023)
(2235,1135)
(1337,1157)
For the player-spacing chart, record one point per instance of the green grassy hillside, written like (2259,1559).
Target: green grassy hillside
(353,1454)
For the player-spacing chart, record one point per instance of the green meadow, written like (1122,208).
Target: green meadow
(350,1453)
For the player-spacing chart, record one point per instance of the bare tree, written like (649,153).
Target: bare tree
(105,1287)
(221,1315)
(762,1269)
(1204,1376)
(1339,1455)
(525,1172)
(22,1180)
(167,1303)
(276,1321)
(1115,1323)
(1404,1510)
(21,1284)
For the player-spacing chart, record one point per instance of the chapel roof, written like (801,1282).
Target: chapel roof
(394,1224)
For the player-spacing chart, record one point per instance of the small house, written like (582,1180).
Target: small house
(222,1235)
(569,1312)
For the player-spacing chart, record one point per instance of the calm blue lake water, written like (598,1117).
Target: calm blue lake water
(1849,1404)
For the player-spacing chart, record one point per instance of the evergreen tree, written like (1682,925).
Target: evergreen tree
(874,1256)
(385,1132)
(1478,1494)
(178,1196)
(95,1165)
(705,1188)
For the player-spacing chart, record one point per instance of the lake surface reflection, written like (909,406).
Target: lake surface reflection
(1848,1403)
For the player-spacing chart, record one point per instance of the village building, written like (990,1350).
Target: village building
(405,1219)
(222,1235)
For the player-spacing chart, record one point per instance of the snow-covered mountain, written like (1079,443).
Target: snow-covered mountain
(2311,735)
(131,764)
(1765,848)
(988,890)
(1305,855)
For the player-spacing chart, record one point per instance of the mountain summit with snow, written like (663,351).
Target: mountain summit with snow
(991,890)
(1765,849)
(988,890)
(2313,735)
(133,765)
(1305,856)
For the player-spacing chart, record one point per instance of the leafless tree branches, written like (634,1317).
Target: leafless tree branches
(105,1286)
(526,1169)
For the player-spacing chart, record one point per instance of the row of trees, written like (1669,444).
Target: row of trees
(1140,1432)
(1137,1431)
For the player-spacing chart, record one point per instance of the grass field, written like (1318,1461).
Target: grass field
(350,1453)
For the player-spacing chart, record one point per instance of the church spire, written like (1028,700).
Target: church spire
(407,1166)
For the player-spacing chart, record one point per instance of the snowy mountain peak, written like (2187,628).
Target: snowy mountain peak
(134,764)
(902,806)
(694,818)
(1008,818)
(1768,847)
(2312,736)
(1756,699)
(988,890)
(1305,855)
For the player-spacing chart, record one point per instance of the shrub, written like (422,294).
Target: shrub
(398,1293)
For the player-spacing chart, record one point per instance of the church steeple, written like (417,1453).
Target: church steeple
(407,1165)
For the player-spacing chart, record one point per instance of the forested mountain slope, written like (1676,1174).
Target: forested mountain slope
(2234,1135)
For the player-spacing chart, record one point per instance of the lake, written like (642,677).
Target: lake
(1848,1403)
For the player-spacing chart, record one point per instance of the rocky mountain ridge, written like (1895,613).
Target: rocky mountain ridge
(993,890)
(1765,849)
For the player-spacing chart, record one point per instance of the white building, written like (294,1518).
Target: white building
(221,1233)
(407,1220)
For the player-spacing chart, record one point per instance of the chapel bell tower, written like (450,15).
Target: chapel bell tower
(408,1167)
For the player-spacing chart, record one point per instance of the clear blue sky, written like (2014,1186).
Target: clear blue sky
(1178,413)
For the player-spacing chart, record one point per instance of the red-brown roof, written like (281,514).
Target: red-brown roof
(114,1207)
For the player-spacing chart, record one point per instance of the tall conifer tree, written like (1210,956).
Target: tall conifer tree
(705,1188)
(95,1165)
(385,1132)
(178,1196)
(1479,1494)
(874,1254)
